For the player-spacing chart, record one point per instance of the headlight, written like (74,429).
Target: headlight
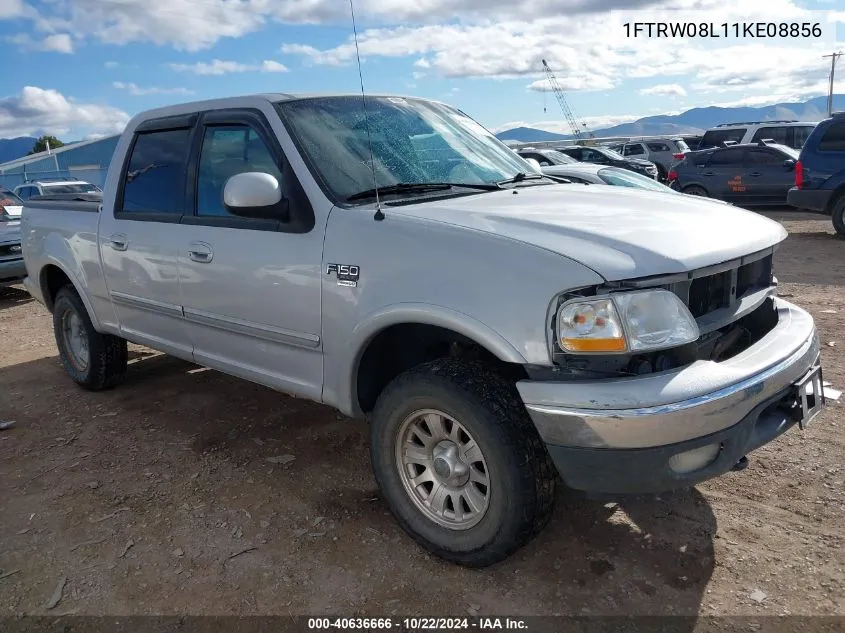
(637,321)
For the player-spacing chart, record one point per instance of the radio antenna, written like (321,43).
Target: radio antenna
(378,215)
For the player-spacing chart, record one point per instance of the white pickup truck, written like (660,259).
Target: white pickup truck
(399,262)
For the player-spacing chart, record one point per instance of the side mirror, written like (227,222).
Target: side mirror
(789,164)
(255,194)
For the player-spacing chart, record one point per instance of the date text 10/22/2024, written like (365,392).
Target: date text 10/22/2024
(419,624)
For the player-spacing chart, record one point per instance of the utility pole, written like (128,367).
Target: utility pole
(833,58)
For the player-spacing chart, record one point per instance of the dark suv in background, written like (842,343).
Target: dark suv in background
(820,172)
(747,175)
(604,156)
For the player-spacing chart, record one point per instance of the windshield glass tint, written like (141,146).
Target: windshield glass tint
(413,141)
(625,178)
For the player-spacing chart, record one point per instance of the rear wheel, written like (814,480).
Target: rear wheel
(95,361)
(695,190)
(459,462)
(838,216)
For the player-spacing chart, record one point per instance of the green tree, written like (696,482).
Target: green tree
(41,144)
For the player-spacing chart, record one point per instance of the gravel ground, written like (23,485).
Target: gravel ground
(158,498)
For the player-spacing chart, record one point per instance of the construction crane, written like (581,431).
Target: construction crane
(561,99)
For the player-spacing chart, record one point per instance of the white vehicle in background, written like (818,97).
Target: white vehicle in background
(49,186)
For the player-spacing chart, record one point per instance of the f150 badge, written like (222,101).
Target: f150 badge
(347,274)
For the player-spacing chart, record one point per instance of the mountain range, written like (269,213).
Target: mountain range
(693,121)
(12,148)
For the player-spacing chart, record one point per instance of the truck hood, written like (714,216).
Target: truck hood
(619,232)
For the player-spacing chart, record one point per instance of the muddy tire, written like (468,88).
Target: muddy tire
(460,463)
(93,360)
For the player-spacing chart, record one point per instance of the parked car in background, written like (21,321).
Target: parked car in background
(546,157)
(693,141)
(789,133)
(12,265)
(54,186)
(492,324)
(10,205)
(748,175)
(604,156)
(590,173)
(820,172)
(663,152)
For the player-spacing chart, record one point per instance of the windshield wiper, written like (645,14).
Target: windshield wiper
(520,177)
(419,187)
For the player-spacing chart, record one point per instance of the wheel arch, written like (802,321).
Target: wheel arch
(428,326)
(52,277)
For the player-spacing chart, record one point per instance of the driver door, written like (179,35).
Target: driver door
(251,287)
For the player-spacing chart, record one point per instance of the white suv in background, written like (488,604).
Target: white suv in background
(49,186)
(790,133)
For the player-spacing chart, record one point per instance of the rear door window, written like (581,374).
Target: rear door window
(727,157)
(781,135)
(833,139)
(714,138)
(659,147)
(634,149)
(155,179)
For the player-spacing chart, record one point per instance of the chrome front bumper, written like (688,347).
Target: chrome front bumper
(676,406)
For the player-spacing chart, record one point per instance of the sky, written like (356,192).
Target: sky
(81,68)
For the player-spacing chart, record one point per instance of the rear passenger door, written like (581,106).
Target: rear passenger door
(140,239)
(251,287)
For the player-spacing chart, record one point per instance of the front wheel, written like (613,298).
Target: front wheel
(459,462)
(95,361)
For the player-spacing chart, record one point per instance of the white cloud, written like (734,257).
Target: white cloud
(269,66)
(220,67)
(665,90)
(571,84)
(137,91)
(38,111)
(55,43)
(11,9)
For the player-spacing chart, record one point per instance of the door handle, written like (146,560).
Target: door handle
(708,173)
(754,174)
(200,252)
(118,242)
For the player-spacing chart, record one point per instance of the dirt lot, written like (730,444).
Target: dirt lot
(143,498)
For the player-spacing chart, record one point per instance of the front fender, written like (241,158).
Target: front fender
(423,314)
